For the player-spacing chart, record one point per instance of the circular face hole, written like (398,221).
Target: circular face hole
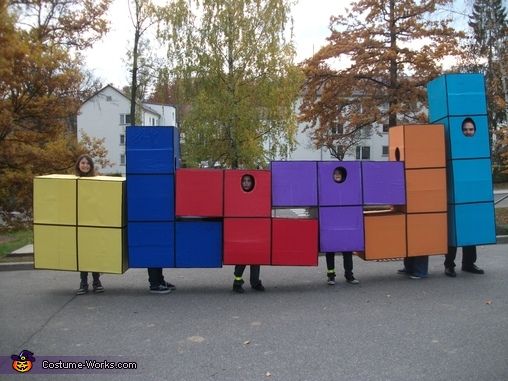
(468,127)
(247,183)
(339,174)
(397,154)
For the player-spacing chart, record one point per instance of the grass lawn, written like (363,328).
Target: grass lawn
(13,240)
(500,185)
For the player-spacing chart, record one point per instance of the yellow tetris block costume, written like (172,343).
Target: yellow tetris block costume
(79,223)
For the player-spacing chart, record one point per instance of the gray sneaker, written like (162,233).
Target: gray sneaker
(83,289)
(160,289)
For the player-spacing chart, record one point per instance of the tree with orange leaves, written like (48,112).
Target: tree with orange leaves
(40,89)
(374,68)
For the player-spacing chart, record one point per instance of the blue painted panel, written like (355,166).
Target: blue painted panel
(150,198)
(456,95)
(151,244)
(199,244)
(466,94)
(150,150)
(471,224)
(459,146)
(436,96)
(470,180)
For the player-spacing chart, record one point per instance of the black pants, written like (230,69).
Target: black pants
(155,276)
(84,278)
(468,256)
(347,257)
(254,273)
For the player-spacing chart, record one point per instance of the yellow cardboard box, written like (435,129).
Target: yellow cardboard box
(102,250)
(101,201)
(54,199)
(55,247)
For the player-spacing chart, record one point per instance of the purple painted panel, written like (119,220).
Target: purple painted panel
(341,228)
(294,183)
(383,183)
(347,192)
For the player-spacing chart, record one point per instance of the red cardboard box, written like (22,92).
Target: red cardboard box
(294,242)
(199,192)
(241,203)
(247,241)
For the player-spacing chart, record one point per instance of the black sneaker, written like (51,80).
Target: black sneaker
(237,287)
(473,269)
(352,280)
(160,289)
(450,271)
(97,288)
(172,287)
(331,280)
(83,289)
(259,287)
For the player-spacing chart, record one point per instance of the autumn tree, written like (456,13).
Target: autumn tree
(232,62)
(40,89)
(373,70)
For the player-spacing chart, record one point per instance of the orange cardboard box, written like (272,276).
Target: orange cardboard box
(427,234)
(418,145)
(426,190)
(385,236)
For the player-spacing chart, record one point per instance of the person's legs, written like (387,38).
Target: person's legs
(83,284)
(330,267)
(97,286)
(347,258)
(155,279)
(469,259)
(255,282)
(238,282)
(449,262)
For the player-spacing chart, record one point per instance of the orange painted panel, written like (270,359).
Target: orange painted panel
(427,234)
(396,143)
(385,236)
(422,145)
(426,190)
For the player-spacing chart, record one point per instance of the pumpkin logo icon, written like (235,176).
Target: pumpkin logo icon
(22,363)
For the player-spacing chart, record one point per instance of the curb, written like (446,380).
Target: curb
(14,266)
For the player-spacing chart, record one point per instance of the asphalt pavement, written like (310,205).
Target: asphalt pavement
(387,328)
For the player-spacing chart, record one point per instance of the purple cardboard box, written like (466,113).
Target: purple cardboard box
(341,228)
(346,192)
(294,183)
(383,183)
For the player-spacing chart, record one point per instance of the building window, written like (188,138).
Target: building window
(362,153)
(337,129)
(125,118)
(108,98)
(122,159)
(122,139)
(386,127)
(385,151)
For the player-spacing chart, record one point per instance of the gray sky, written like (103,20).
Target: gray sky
(311,19)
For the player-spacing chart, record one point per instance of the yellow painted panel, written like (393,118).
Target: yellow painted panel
(55,199)
(55,247)
(101,201)
(101,250)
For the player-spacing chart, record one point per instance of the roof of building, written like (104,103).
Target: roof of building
(144,105)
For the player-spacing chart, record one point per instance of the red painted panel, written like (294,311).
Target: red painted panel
(254,203)
(247,241)
(199,192)
(294,242)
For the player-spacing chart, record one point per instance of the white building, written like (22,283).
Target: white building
(374,146)
(106,114)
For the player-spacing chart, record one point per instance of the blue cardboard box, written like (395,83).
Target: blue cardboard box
(151,244)
(470,180)
(150,198)
(471,224)
(199,244)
